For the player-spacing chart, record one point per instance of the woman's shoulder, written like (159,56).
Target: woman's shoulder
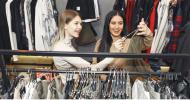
(57,46)
(60,46)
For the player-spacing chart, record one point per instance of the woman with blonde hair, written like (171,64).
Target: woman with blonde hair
(68,29)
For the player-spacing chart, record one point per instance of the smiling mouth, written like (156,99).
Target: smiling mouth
(116,31)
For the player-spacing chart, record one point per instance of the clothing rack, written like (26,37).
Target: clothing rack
(82,54)
(4,69)
(90,72)
(93,54)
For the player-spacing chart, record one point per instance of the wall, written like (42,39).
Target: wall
(104,5)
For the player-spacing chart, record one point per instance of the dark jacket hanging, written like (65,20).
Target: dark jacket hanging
(84,7)
(4,31)
(22,41)
(119,5)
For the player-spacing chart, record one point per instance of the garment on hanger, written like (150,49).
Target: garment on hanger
(142,9)
(128,13)
(45,25)
(119,5)
(182,65)
(175,34)
(32,7)
(88,13)
(5,42)
(4,36)
(159,40)
(12,34)
(28,23)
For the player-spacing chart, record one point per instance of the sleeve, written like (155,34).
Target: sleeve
(142,42)
(102,64)
(147,42)
(78,62)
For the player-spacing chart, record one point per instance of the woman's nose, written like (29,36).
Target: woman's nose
(79,26)
(117,26)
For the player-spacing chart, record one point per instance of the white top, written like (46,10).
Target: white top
(75,62)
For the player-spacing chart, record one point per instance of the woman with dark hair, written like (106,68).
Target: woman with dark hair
(116,39)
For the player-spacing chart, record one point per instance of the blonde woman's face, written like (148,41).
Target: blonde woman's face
(74,27)
(116,26)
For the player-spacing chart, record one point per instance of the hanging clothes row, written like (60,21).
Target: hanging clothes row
(31,23)
(117,85)
(158,14)
(168,22)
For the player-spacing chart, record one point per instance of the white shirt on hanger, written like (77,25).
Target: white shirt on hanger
(12,34)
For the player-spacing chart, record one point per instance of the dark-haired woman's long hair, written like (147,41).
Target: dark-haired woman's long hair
(106,39)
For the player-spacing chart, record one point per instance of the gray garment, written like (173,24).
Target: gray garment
(52,92)
(45,84)
(91,91)
(60,87)
(149,85)
(128,88)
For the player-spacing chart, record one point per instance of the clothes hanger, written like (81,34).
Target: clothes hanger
(124,85)
(113,85)
(106,92)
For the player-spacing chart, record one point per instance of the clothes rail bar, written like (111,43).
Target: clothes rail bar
(82,54)
(96,72)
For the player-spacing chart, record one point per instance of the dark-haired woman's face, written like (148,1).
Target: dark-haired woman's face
(116,25)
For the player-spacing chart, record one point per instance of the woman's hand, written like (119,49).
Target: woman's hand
(119,44)
(143,29)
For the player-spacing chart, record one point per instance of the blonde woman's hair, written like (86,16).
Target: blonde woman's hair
(64,18)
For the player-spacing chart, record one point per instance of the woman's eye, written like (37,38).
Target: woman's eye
(113,23)
(120,23)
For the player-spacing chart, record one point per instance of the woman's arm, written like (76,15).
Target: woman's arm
(78,62)
(146,34)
